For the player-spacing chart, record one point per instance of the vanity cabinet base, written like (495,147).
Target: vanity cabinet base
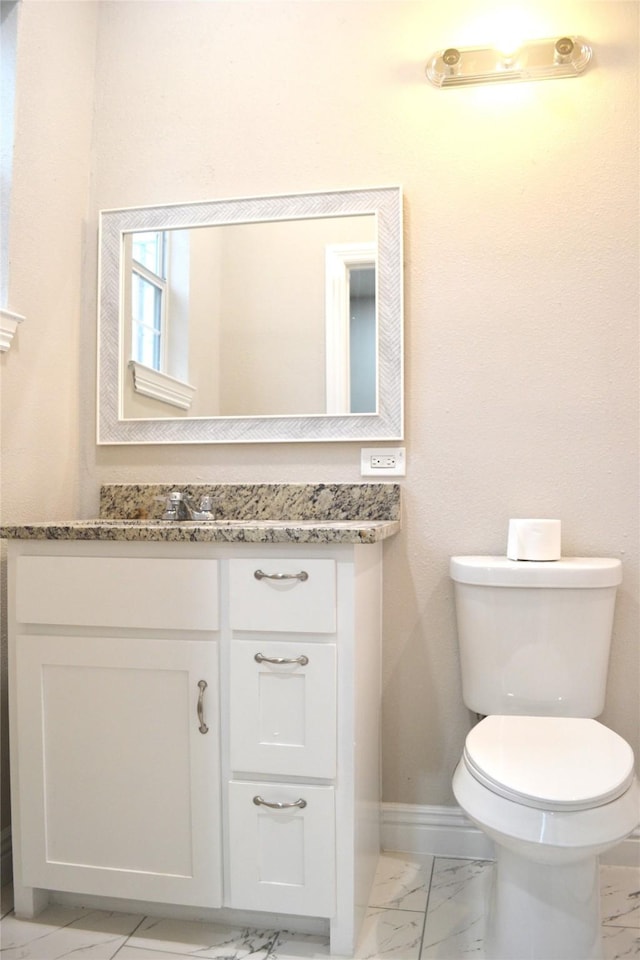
(141,782)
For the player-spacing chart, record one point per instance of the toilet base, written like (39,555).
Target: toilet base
(541,911)
(545,902)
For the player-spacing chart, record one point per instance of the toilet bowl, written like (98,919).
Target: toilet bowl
(551,786)
(552,793)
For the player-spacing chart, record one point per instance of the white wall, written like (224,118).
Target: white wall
(521,268)
(40,375)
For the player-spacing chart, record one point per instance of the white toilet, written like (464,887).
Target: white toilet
(552,787)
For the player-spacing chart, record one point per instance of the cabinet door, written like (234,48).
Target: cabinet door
(283,714)
(120,789)
(282,859)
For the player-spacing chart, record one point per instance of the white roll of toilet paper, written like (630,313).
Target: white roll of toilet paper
(534,540)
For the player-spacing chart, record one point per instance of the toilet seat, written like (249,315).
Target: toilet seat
(549,763)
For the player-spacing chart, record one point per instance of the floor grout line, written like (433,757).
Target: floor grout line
(128,937)
(426,906)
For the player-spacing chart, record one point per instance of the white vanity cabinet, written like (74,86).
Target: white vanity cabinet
(283,683)
(197,724)
(116,723)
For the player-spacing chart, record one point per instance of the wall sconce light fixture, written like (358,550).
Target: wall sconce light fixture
(533,60)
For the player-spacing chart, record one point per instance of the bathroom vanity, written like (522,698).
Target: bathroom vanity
(195,707)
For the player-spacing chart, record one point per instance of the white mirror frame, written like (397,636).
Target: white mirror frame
(385,424)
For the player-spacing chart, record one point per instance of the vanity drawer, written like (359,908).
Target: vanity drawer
(153,593)
(283,860)
(283,715)
(288,595)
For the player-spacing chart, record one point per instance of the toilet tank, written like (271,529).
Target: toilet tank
(534,637)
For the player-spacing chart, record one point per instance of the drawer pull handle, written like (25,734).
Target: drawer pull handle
(259,802)
(260,575)
(302,660)
(202,686)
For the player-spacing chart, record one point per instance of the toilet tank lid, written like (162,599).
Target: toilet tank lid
(567,572)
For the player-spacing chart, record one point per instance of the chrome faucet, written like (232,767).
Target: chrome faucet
(179,506)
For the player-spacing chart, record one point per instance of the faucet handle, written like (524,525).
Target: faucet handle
(205,508)
(176,496)
(172,503)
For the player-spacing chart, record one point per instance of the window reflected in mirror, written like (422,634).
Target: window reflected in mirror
(147,256)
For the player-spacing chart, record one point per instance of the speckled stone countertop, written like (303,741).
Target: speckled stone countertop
(250,513)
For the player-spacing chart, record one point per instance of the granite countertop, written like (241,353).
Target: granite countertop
(259,531)
(250,513)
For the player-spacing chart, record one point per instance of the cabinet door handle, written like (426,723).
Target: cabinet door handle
(302,660)
(259,802)
(202,686)
(260,575)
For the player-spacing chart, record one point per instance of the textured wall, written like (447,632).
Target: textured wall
(521,268)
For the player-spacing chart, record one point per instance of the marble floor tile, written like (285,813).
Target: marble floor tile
(401,881)
(61,932)
(206,940)
(421,909)
(135,953)
(621,943)
(454,926)
(300,946)
(620,896)
(390,934)
(183,938)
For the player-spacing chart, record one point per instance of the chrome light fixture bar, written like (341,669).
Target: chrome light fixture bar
(533,60)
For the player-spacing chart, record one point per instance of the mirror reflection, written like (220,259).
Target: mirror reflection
(256,319)
(251,320)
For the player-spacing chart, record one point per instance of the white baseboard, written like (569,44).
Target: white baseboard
(626,854)
(438,831)
(447,832)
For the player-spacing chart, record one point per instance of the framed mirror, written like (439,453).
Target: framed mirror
(264,319)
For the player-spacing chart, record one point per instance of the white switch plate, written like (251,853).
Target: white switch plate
(382,462)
